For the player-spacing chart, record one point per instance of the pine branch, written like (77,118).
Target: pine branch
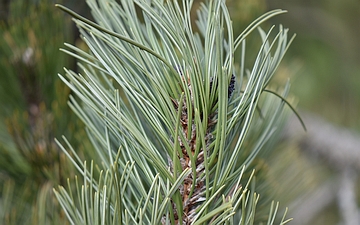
(159,97)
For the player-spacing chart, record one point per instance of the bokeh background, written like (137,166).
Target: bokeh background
(315,173)
(327,46)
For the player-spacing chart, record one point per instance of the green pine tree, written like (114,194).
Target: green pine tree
(175,118)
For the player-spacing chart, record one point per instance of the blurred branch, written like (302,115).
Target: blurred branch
(341,189)
(347,198)
(338,148)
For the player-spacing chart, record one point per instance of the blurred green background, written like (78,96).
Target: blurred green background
(328,49)
(322,63)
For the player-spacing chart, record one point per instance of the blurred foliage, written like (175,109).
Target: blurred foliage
(34,111)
